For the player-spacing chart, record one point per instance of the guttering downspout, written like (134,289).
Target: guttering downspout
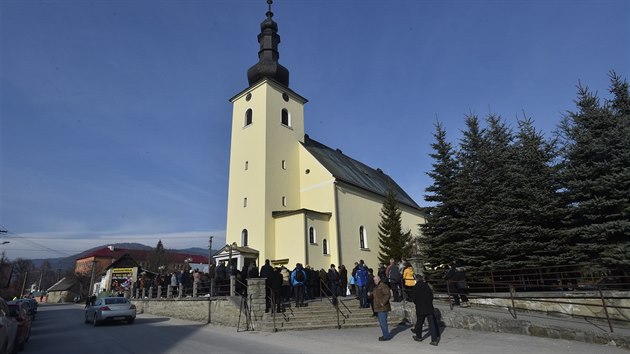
(305,239)
(338,222)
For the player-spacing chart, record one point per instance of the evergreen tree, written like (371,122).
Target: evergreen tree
(469,227)
(596,178)
(495,178)
(158,258)
(532,203)
(395,243)
(436,233)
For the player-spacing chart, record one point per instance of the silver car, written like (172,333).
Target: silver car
(8,329)
(110,309)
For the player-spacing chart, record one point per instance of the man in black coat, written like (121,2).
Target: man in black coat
(422,296)
(276,288)
(333,282)
(266,272)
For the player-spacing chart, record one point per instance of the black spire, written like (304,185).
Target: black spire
(268,55)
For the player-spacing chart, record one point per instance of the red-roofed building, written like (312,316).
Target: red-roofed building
(105,256)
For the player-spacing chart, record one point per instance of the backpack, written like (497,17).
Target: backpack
(394,274)
(299,275)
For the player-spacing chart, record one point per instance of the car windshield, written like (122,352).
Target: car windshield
(118,300)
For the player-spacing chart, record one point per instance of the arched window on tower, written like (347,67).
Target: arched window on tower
(362,238)
(248,117)
(286,117)
(244,237)
(325,246)
(311,235)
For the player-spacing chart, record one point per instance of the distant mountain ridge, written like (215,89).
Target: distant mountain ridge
(63,263)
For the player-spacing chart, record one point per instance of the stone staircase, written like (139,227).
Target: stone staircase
(321,315)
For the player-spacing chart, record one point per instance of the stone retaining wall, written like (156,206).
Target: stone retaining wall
(582,304)
(217,310)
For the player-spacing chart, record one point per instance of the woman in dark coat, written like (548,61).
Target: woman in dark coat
(343,279)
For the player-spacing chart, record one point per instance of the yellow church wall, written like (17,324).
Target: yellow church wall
(290,239)
(355,210)
(315,256)
(264,162)
(318,194)
(358,208)
(246,176)
(282,160)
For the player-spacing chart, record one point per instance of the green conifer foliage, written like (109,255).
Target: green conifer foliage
(437,232)
(470,227)
(395,243)
(506,200)
(596,178)
(532,202)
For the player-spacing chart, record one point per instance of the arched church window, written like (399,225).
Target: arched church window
(325,246)
(249,117)
(362,237)
(244,237)
(286,118)
(311,235)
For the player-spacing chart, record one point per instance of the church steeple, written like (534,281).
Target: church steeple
(268,66)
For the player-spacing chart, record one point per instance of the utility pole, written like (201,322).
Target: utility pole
(24,284)
(210,252)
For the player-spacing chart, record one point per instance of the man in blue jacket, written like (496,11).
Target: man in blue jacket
(362,281)
(298,279)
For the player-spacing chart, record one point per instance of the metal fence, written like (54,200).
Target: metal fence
(579,285)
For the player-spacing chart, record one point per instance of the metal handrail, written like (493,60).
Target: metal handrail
(248,316)
(334,300)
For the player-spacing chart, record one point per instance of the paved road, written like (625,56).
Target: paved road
(60,329)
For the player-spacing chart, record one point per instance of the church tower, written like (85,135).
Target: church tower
(267,129)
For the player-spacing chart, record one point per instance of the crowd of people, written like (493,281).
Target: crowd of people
(394,282)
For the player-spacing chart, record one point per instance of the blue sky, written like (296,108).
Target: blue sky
(115,120)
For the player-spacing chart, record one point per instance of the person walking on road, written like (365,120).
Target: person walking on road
(422,296)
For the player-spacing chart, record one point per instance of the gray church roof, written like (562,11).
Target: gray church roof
(348,170)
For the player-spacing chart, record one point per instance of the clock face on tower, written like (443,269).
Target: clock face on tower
(285,97)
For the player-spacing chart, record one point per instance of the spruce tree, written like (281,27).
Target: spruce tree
(159,258)
(533,203)
(436,233)
(395,243)
(596,178)
(495,180)
(469,227)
